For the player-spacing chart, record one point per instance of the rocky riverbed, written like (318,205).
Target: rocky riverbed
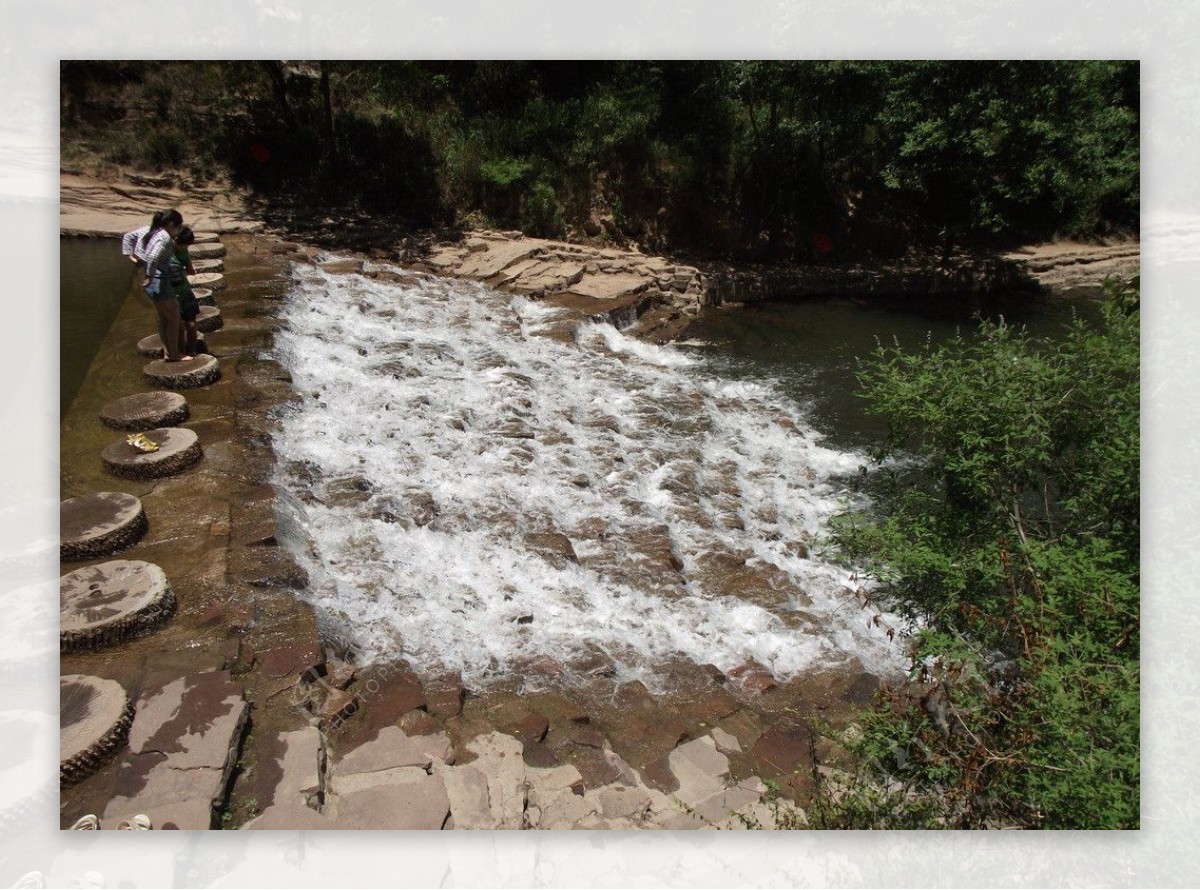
(251,708)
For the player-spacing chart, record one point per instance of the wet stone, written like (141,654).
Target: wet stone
(112,602)
(183,746)
(94,720)
(152,347)
(206,252)
(178,449)
(213,281)
(145,410)
(209,320)
(211,264)
(99,524)
(200,371)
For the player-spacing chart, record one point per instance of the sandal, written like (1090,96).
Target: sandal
(86,823)
(139,442)
(137,823)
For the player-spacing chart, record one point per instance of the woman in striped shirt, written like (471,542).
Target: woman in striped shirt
(157,246)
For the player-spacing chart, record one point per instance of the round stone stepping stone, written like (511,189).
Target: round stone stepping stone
(152,346)
(204,296)
(204,266)
(145,410)
(94,720)
(178,449)
(210,251)
(109,603)
(209,320)
(207,238)
(100,523)
(210,280)
(200,371)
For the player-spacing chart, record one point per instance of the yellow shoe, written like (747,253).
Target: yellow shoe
(139,442)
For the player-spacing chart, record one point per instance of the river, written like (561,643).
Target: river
(477,487)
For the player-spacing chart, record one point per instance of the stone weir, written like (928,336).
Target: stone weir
(646,296)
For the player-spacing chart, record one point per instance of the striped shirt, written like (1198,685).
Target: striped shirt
(158,254)
(131,243)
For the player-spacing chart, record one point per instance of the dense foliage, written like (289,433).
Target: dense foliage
(778,160)
(1012,543)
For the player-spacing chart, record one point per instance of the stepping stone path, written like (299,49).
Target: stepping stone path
(178,449)
(208,238)
(204,296)
(210,280)
(183,746)
(152,346)
(206,251)
(145,410)
(209,320)
(204,266)
(200,371)
(404,781)
(98,524)
(112,602)
(94,720)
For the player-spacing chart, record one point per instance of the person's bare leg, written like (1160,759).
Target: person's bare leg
(169,322)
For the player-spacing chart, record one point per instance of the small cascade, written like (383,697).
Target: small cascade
(470,490)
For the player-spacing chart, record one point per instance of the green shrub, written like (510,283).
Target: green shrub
(1013,548)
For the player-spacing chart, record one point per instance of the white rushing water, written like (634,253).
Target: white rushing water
(479,486)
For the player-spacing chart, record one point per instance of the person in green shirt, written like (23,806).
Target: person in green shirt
(189,307)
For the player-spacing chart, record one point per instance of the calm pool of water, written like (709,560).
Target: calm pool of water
(94,281)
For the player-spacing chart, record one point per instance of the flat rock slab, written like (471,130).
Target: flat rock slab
(289,817)
(178,449)
(204,296)
(152,346)
(207,251)
(200,371)
(422,804)
(94,720)
(210,280)
(183,746)
(610,286)
(496,255)
(209,320)
(208,238)
(109,603)
(98,524)
(145,410)
(390,749)
(203,266)
(290,771)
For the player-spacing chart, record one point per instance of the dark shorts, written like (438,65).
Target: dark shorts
(189,308)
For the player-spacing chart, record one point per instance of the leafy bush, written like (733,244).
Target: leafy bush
(1014,551)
